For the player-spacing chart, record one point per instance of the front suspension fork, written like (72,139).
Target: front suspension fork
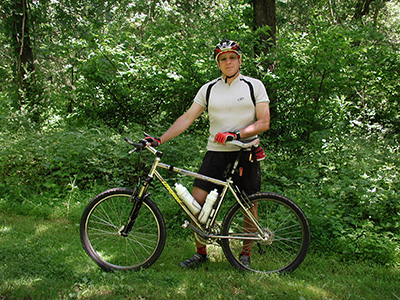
(137,199)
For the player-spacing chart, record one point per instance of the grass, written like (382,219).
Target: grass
(43,259)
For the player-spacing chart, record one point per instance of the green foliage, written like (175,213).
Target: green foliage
(39,171)
(158,69)
(348,185)
(113,68)
(332,76)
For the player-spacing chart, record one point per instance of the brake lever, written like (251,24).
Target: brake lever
(229,138)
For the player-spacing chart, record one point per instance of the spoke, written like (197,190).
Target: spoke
(105,244)
(136,240)
(98,231)
(293,240)
(103,222)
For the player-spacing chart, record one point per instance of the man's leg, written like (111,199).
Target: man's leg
(201,253)
(251,184)
(200,196)
(248,227)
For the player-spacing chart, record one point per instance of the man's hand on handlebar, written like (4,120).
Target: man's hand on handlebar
(153,141)
(223,137)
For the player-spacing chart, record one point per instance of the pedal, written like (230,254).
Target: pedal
(185,224)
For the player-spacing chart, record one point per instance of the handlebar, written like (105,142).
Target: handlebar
(143,144)
(244,144)
(140,145)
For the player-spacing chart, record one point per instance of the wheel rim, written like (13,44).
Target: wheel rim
(286,245)
(105,243)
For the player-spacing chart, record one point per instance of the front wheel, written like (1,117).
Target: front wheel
(101,226)
(281,247)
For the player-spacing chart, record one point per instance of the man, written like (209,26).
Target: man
(238,107)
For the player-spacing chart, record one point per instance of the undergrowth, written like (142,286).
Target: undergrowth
(347,184)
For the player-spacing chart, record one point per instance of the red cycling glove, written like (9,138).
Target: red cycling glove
(223,137)
(153,141)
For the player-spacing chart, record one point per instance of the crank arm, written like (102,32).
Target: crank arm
(195,229)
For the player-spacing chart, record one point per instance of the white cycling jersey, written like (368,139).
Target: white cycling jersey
(230,107)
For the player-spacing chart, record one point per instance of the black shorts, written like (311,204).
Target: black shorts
(215,165)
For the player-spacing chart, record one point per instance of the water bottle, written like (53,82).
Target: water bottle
(187,198)
(208,206)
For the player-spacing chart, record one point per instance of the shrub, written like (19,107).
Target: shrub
(46,165)
(347,185)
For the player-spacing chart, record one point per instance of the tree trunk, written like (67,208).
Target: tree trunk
(362,8)
(22,46)
(265,15)
(29,90)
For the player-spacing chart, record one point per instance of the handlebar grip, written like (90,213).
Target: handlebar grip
(129,141)
(140,145)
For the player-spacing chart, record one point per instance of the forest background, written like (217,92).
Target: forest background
(77,76)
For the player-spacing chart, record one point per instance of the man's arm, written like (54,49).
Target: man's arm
(262,123)
(183,122)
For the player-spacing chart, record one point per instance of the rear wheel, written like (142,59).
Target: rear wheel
(285,240)
(101,225)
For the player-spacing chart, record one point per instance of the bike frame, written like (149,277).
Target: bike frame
(240,197)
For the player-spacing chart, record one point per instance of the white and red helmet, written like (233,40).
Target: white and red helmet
(227,46)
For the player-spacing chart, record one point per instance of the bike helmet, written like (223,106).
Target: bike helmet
(227,46)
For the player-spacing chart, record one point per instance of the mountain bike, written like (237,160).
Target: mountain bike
(123,229)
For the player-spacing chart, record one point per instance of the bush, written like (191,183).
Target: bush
(42,170)
(347,185)
(36,166)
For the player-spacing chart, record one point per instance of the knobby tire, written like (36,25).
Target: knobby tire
(101,224)
(286,226)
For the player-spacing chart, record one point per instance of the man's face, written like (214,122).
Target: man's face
(229,63)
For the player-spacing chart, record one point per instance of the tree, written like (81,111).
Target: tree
(22,42)
(362,8)
(265,17)
(25,90)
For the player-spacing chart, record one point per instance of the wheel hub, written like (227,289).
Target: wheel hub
(268,237)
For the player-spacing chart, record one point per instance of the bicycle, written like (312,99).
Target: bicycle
(123,229)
